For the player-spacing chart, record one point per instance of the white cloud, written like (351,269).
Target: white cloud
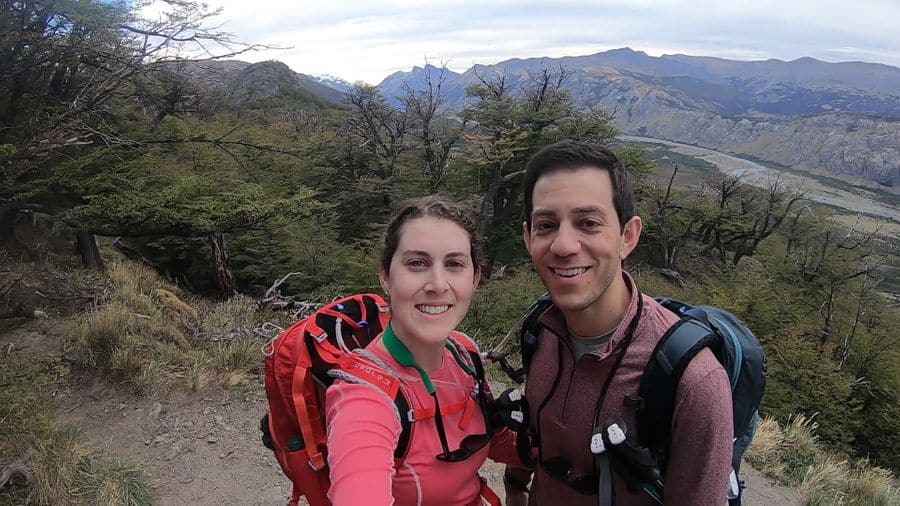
(368,40)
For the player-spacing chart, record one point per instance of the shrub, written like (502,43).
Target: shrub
(794,456)
(112,481)
(95,338)
(824,481)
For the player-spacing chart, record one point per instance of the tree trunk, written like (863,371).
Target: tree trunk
(7,229)
(486,214)
(86,245)
(224,278)
(827,316)
(8,214)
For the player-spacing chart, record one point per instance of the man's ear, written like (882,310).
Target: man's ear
(526,236)
(383,279)
(630,236)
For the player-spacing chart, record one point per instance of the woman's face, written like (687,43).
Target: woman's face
(431,280)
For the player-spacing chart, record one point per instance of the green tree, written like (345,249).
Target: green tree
(509,124)
(75,74)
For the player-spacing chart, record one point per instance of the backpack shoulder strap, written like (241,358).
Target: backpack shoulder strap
(659,382)
(464,343)
(528,336)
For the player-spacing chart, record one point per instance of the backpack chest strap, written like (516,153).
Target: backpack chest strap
(467,407)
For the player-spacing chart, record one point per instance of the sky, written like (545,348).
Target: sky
(367,40)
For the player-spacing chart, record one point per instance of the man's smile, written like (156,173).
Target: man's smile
(570,272)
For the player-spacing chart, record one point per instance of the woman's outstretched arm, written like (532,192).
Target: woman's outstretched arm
(363,431)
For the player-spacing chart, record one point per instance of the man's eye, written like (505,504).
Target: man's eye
(591,224)
(543,226)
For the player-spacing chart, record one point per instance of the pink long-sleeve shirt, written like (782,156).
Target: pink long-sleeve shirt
(364,429)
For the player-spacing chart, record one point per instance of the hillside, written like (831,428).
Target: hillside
(245,83)
(180,422)
(839,118)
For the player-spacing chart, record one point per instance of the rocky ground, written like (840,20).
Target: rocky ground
(201,448)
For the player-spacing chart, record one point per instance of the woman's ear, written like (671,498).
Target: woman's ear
(383,279)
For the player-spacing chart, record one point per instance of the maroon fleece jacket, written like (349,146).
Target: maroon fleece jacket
(700,452)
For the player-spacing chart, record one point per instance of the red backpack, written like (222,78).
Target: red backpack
(298,363)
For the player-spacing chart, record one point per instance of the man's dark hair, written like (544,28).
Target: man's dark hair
(572,155)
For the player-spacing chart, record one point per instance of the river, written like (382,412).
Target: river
(760,175)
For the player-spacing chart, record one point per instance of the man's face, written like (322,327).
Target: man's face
(575,240)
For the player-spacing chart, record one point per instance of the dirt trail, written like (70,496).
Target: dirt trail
(204,447)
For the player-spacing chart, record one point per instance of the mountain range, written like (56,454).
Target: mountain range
(833,118)
(838,119)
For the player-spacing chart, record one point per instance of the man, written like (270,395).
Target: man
(595,341)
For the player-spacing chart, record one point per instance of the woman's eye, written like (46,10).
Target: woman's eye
(456,265)
(417,263)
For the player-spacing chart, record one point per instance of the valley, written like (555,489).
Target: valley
(857,201)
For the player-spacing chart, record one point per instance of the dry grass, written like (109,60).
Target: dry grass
(112,481)
(132,278)
(147,335)
(765,452)
(96,337)
(236,360)
(793,456)
(55,467)
(872,486)
(801,447)
(824,482)
(218,318)
(64,469)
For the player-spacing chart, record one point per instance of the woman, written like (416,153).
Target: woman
(430,268)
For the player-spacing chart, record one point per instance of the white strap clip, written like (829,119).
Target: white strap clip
(597,446)
(616,435)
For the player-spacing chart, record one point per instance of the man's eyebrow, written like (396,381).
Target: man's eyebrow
(589,210)
(578,210)
(542,212)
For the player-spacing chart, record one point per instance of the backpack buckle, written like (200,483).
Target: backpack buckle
(316,462)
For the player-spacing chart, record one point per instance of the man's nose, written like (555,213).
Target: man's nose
(566,242)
